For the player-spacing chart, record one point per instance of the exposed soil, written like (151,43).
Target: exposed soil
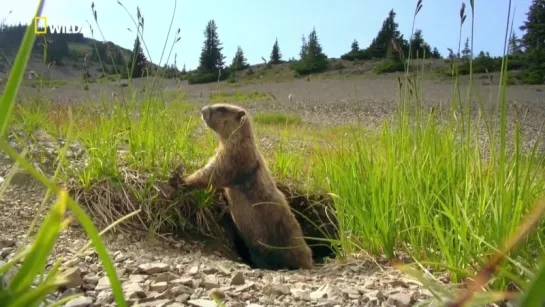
(169,272)
(164,271)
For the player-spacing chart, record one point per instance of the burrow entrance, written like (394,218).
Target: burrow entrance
(107,201)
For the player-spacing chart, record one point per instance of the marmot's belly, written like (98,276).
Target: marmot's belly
(260,219)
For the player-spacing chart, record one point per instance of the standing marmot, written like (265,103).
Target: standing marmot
(259,210)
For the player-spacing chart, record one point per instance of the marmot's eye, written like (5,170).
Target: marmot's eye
(221,109)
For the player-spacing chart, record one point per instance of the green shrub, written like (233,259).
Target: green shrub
(309,66)
(201,78)
(388,66)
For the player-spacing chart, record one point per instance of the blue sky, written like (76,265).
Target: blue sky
(254,25)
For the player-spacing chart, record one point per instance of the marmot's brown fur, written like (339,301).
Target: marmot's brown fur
(259,210)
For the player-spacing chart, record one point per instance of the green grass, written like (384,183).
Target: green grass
(18,291)
(238,97)
(415,185)
(277,119)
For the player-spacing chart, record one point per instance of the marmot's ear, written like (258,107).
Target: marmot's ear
(240,115)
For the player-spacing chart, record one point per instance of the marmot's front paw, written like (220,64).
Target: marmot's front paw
(176,180)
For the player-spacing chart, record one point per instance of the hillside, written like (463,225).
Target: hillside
(63,56)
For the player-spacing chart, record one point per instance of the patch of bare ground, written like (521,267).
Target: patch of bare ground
(166,271)
(366,100)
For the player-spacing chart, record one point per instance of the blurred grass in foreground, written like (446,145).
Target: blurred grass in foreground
(415,185)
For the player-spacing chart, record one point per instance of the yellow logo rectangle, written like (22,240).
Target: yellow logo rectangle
(43,20)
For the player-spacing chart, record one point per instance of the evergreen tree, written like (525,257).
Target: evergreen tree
(466,52)
(239,61)
(381,45)
(138,60)
(514,44)
(304,48)
(314,49)
(183,70)
(419,47)
(313,59)
(533,42)
(435,53)
(211,58)
(276,56)
(355,47)
(56,51)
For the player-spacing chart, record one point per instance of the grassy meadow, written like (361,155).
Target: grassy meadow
(418,185)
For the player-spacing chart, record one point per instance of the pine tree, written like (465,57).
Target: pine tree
(466,53)
(138,60)
(533,42)
(419,47)
(239,61)
(183,70)
(435,53)
(313,59)
(314,49)
(381,45)
(304,48)
(276,56)
(211,58)
(514,44)
(355,47)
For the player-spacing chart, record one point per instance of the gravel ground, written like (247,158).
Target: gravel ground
(181,273)
(339,102)
(174,273)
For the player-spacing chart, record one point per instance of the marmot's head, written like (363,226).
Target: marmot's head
(226,120)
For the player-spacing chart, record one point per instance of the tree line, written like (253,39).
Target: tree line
(389,47)
(526,54)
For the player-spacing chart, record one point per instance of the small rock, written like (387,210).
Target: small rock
(159,296)
(350,291)
(7,243)
(121,257)
(104,298)
(237,279)
(210,283)
(300,294)
(209,270)
(398,283)
(137,278)
(202,303)
(103,284)
(400,299)
(133,291)
(325,304)
(159,286)
(186,281)
(81,301)
(319,293)
(73,278)
(69,292)
(166,276)
(5,251)
(155,303)
(216,293)
(181,289)
(182,298)
(154,268)
(276,289)
(193,270)
(91,279)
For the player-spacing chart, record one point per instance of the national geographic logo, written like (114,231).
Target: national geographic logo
(41,27)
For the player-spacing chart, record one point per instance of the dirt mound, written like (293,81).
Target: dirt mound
(108,201)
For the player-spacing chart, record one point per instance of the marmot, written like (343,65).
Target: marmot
(259,210)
